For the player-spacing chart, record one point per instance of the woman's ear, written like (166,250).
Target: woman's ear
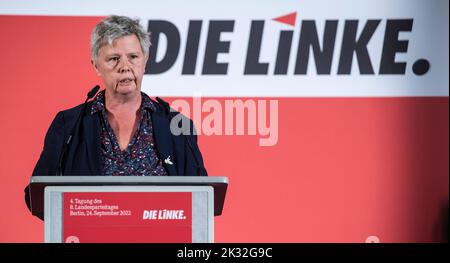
(95,68)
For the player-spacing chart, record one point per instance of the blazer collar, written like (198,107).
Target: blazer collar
(91,132)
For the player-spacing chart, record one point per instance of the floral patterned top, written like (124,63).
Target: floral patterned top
(139,158)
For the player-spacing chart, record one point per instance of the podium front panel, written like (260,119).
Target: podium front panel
(111,214)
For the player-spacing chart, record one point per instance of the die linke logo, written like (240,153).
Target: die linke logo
(353,44)
(164,214)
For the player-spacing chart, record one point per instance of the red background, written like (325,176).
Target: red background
(343,169)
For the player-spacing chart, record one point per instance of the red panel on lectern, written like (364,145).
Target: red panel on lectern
(127,217)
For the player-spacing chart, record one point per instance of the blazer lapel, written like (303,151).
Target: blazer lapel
(91,131)
(163,141)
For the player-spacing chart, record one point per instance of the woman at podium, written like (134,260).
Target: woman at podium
(121,131)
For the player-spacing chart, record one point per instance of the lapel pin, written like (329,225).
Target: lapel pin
(168,161)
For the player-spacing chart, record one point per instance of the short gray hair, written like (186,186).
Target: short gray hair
(114,27)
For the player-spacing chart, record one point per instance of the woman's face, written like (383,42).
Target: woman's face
(121,65)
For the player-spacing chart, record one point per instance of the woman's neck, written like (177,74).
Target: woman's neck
(115,102)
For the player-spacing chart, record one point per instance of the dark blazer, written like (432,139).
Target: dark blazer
(83,154)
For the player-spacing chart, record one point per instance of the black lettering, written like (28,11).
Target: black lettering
(214,46)
(190,55)
(350,45)
(392,45)
(284,50)
(322,57)
(252,64)
(157,27)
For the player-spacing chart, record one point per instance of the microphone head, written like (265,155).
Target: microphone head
(93,91)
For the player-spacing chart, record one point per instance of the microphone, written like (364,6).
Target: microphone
(90,95)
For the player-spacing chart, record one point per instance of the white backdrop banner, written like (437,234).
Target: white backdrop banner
(273,48)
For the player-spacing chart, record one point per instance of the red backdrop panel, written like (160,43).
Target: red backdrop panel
(343,169)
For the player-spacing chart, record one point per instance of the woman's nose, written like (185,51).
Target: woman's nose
(124,65)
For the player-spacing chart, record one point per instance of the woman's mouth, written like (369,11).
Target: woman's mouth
(126,81)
